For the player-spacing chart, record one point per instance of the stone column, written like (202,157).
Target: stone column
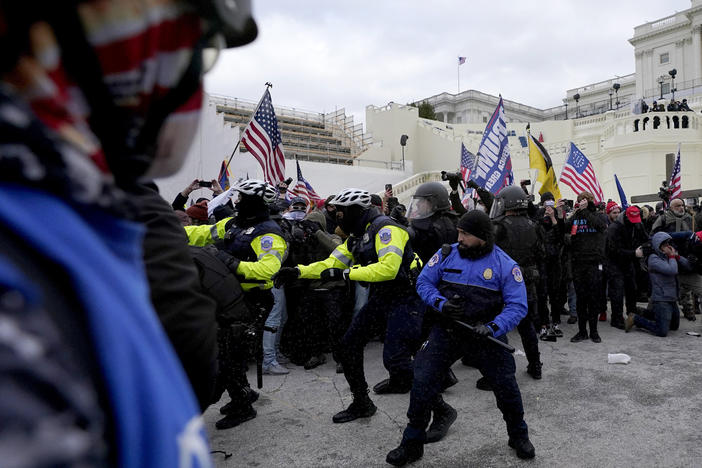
(696,52)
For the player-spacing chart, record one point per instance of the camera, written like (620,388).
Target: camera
(525,182)
(205,183)
(451,176)
(665,192)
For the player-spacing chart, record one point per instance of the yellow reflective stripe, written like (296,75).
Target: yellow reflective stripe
(388,249)
(342,258)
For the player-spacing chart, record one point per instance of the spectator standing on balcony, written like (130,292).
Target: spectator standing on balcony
(673,106)
(684,106)
(644,106)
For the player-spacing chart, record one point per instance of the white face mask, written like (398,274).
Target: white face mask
(294,215)
(480,207)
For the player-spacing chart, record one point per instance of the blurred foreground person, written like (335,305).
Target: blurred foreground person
(96,98)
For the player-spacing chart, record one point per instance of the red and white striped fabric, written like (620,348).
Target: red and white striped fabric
(304,189)
(675,179)
(262,139)
(579,175)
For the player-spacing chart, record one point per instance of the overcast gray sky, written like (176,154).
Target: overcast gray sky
(323,55)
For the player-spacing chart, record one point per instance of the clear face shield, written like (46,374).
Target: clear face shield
(420,208)
(498,208)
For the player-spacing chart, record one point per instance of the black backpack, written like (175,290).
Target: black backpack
(221,284)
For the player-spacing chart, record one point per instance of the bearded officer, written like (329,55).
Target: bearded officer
(476,282)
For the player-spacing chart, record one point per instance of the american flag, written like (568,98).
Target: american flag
(579,175)
(467,165)
(262,139)
(304,189)
(461,60)
(675,182)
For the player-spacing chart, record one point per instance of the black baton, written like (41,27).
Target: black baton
(508,347)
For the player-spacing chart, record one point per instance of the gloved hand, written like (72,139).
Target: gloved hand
(285,275)
(334,274)
(483,331)
(310,226)
(454,307)
(229,260)
(472,184)
(453,183)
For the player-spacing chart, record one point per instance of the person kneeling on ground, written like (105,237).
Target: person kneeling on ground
(663,267)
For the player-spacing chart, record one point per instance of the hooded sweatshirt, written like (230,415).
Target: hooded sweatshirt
(663,270)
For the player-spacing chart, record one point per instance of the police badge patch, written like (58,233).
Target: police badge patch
(433,260)
(517,273)
(487,274)
(266,243)
(385,235)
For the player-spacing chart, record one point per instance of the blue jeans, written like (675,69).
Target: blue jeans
(667,317)
(276,319)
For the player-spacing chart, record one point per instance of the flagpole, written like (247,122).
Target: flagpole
(458,76)
(268,85)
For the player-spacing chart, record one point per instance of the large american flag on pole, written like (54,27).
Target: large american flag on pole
(675,179)
(579,175)
(304,189)
(262,139)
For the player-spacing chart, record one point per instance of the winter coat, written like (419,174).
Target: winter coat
(670,222)
(663,271)
(623,237)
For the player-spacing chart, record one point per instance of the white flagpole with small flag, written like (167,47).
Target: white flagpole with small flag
(461,61)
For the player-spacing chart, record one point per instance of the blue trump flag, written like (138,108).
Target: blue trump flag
(494,166)
(622,195)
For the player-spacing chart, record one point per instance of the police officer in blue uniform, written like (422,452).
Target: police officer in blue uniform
(476,282)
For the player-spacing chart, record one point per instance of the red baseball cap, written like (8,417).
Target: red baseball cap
(633,214)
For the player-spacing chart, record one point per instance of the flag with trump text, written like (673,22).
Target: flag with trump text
(541,161)
(304,189)
(262,138)
(579,175)
(675,183)
(493,169)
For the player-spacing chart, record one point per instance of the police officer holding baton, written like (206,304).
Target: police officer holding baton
(475,282)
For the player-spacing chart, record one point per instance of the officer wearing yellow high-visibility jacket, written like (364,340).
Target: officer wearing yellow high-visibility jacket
(255,242)
(377,252)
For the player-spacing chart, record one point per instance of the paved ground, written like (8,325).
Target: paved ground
(585,412)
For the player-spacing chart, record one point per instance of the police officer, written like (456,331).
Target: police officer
(376,252)
(431,226)
(522,239)
(476,282)
(256,249)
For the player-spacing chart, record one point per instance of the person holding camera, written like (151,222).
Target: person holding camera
(551,218)
(181,198)
(282,189)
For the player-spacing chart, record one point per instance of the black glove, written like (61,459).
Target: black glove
(473,184)
(453,183)
(482,331)
(310,226)
(454,307)
(230,261)
(334,274)
(285,275)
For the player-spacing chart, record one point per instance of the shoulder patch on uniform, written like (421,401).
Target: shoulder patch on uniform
(433,260)
(487,274)
(266,243)
(517,273)
(385,235)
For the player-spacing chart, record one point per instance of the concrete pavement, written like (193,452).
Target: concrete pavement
(583,413)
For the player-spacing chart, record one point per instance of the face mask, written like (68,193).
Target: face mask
(294,215)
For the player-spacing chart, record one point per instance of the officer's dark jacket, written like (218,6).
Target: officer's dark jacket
(588,243)
(522,239)
(623,238)
(429,234)
(492,286)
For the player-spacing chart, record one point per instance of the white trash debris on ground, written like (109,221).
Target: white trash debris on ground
(618,358)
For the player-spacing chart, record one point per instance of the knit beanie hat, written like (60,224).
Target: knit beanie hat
(477,223)
(610,206)
(198,211)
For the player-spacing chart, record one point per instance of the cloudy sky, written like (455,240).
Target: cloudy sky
(324,55)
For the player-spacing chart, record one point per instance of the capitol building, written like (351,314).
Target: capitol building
(603,119)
